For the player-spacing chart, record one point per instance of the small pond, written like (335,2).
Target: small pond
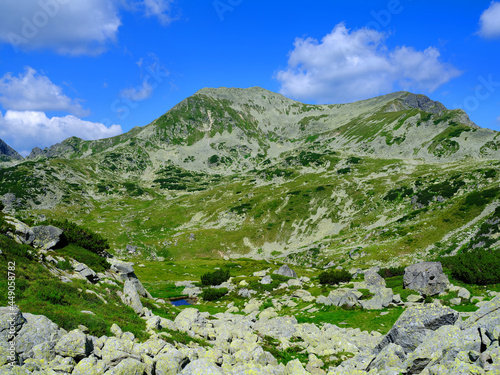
(181,302)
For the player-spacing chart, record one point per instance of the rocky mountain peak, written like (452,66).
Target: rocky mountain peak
(8,151)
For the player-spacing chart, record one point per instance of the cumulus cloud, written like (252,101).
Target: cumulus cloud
(24,130)
(490,21)
(351,65)
(70,27)
(31,91)
(137,94)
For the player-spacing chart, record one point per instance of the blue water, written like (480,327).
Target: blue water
(180,302)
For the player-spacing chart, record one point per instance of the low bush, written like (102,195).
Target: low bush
(392,271)
(333,277)
(213,294)
(215,278)
(480,267)
(82,237)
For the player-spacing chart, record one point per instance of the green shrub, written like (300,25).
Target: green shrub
(333,277)
(94,261)
(12,248)
(480,267)
(213,294)
(392,271)
(215,278)
(64,265)
(82,237)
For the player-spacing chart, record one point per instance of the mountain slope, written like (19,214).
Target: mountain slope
(8,153)
(230,172)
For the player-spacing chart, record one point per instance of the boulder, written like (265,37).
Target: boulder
(381,299)
(279,327)
(202,367)
(123,269)
(426,278)
(131,297)
(86,272)
(74,344)
(187,317)
(266,280)
(89,366)
(415,324)
(36,330)
(246,293)
(46,236)
(304,295)
(284,270)
(22,233)
(391,356)
(129,366)
(373,279)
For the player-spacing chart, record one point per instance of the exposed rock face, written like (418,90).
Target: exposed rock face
(284,270)
(46,236)
(426,278)
(8,151)
(22,234)
(415,324)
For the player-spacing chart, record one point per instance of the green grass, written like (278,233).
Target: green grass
(39,292)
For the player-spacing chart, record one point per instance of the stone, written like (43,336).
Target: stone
(414,298)
(36,330)
(295,367)
(391,355)
(304,295)
(464,293)
(246,293)
(46,236)
(201,367)
(381,299)
(121,268)
(22,233)
(187,317)
(192,292)
(279,327)
(284,270)
(373,279)
(131,249)
(169,361)
(89,366)
(455,301)
(128,366)
(426,278)
(86,272)
(414,324)
(266,280)
(260,273)
(131,297)
(74,344)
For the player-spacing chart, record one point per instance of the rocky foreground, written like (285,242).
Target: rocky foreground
(426,339)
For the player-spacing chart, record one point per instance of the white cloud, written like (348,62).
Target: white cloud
(490,21)
(24,130)
(72,27)
(137,94)
(30,91)
(355,65)
(160,9)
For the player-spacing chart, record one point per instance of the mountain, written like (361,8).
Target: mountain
(8,153)
(231,172)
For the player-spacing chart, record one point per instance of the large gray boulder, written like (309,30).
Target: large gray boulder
(426,278)
(74,344)
(373,279)
(46,236)
(86,272)
(22,233)
(131,297)
(382,298)
(413,326)
(284,270)
(36,330)
(202,367)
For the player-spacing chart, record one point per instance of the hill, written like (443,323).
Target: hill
(246,172)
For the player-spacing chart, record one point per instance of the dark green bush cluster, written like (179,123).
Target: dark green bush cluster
(92,260)
(480,267)
(213,294)
(392,271)
(82,237)
(446,189)
(402,192)
(215,278)
(344,170)
(333,277)
(480,198)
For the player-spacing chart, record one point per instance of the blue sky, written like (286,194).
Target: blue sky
(96,68)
